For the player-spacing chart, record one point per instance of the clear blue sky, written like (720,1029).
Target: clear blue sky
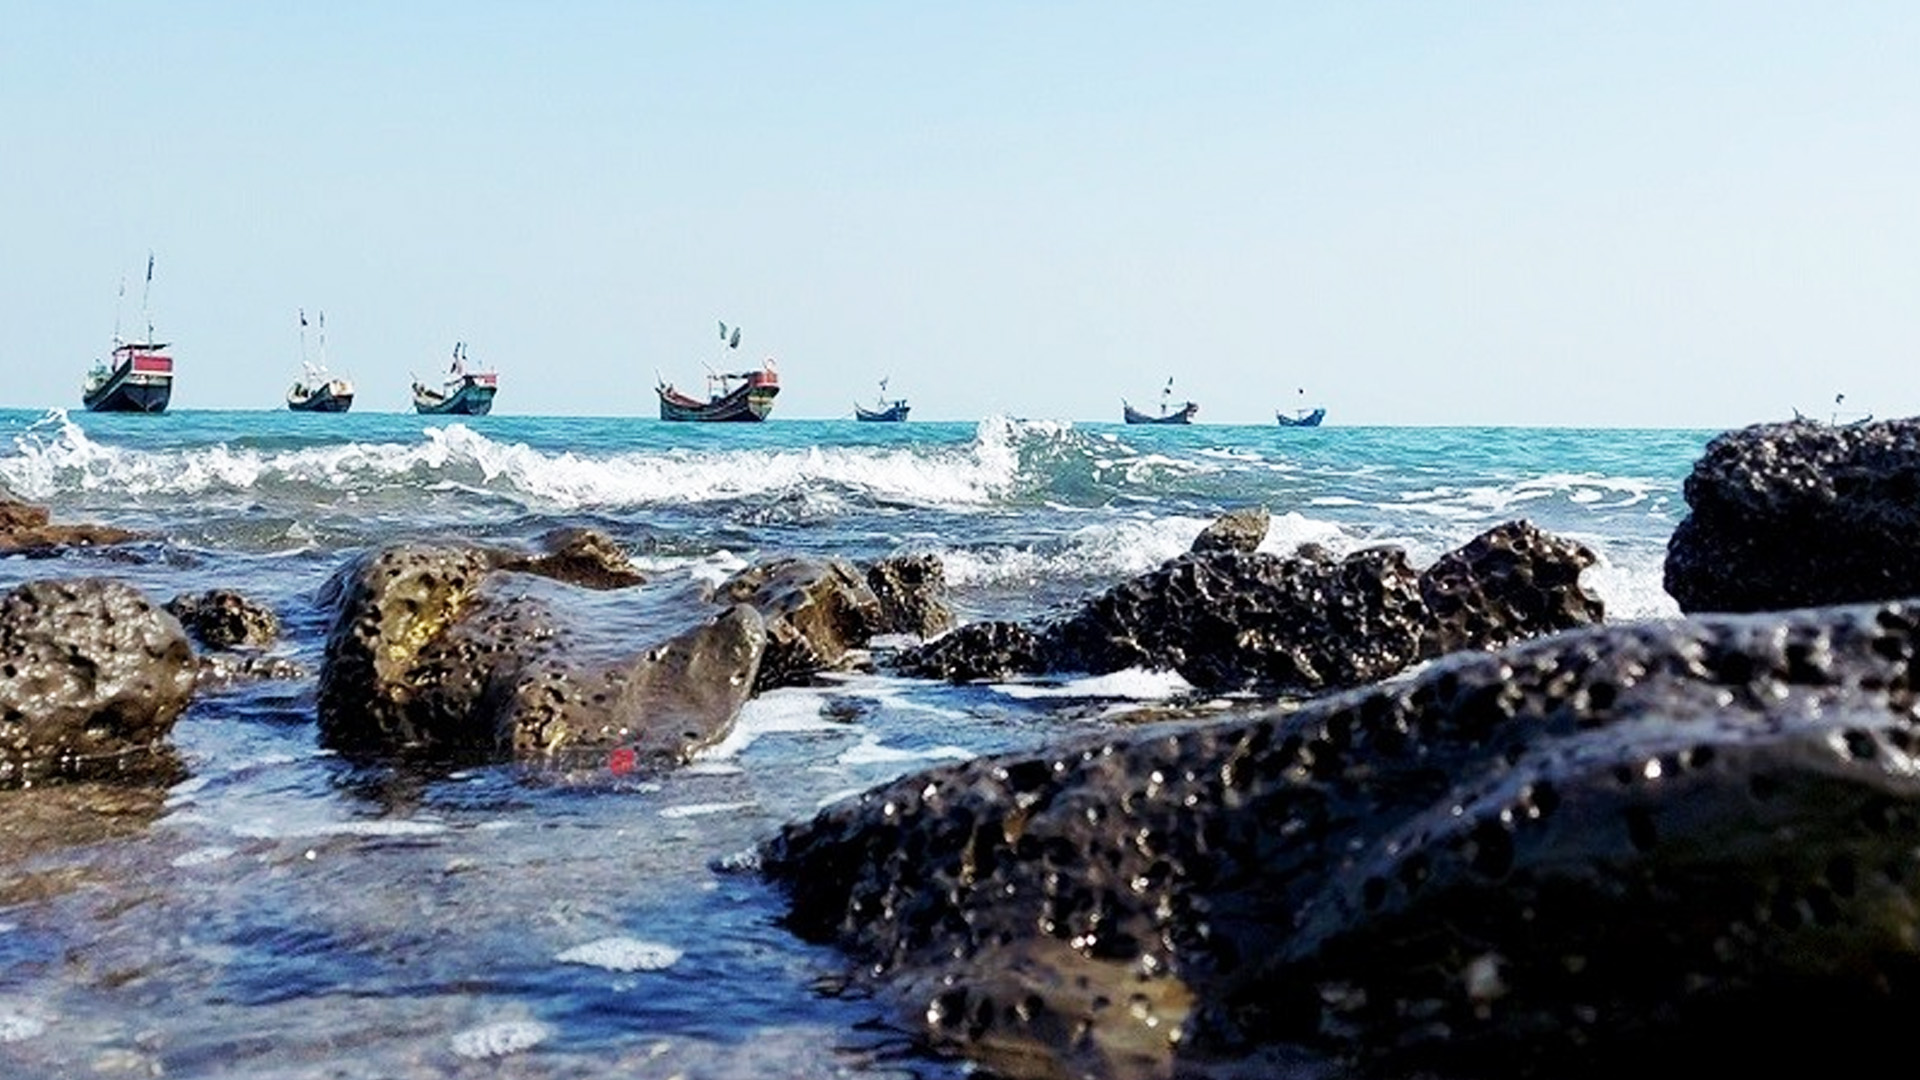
(1694,214)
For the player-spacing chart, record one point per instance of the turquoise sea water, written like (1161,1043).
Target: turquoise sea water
(288,915)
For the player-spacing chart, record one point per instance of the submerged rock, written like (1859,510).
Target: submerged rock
(438,651)
(1691,842)
(224,619)
(27,528)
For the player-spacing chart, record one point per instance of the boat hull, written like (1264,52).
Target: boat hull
(138,382)
(1182,415)
(1306,419)
(322,399)
(472,397)
(892,414)
(750,402)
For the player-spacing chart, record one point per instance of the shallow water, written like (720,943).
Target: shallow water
(282,912)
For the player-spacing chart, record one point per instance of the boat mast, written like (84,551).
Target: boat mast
(144,313)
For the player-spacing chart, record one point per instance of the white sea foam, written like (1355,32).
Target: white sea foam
(622,954)
(17,1026)
(870,751)
(788,709)
(693,810)
(499,1039)
(1137,684)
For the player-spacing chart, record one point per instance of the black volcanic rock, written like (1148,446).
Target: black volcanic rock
(1508,584)
(1800,514)
(1680,845)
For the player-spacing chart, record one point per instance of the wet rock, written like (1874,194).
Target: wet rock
(912,591)
(1235,530)
(1800,514)
(29,529)
(978,651)
(1508,584)
(92,678)
(1230,619)
(817,612)
(1692,843)
(579,556)
(224,619)
(435,651)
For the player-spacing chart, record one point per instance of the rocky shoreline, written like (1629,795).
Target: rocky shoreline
(1451,821)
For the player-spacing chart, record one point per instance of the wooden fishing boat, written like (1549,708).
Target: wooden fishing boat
(733,396)
(318,390)
(1167,415)
(462,393)
(137,376)
(889,410)
(1301,418)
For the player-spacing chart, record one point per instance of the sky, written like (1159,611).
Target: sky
(1636,214)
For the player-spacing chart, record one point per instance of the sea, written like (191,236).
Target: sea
(280,912)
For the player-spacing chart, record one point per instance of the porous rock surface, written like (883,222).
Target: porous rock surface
(817,612)
(224,619)
(1235,530)
(1800,514)
(1686,844)
(912,591)
(1230,619)
(92,677)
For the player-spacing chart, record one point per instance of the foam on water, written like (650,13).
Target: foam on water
(499,1039)
(622,954)
(56,455)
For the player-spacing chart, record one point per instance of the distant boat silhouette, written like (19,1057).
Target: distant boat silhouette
(1182,415)
(317,390)
(889,411)
(1302,417)
(463,393)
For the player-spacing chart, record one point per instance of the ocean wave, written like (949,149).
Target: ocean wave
(57,457)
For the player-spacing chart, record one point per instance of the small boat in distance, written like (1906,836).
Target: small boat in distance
(731,395)
(1301,417)
(138,376)
(317,390)
(888,410)
(462,393)
(1182,415)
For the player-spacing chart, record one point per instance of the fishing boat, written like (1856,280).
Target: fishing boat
(1301,417)
(1183,415)
(731,395)
(888,410)
(317,389)
(137,376)
(461,393)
